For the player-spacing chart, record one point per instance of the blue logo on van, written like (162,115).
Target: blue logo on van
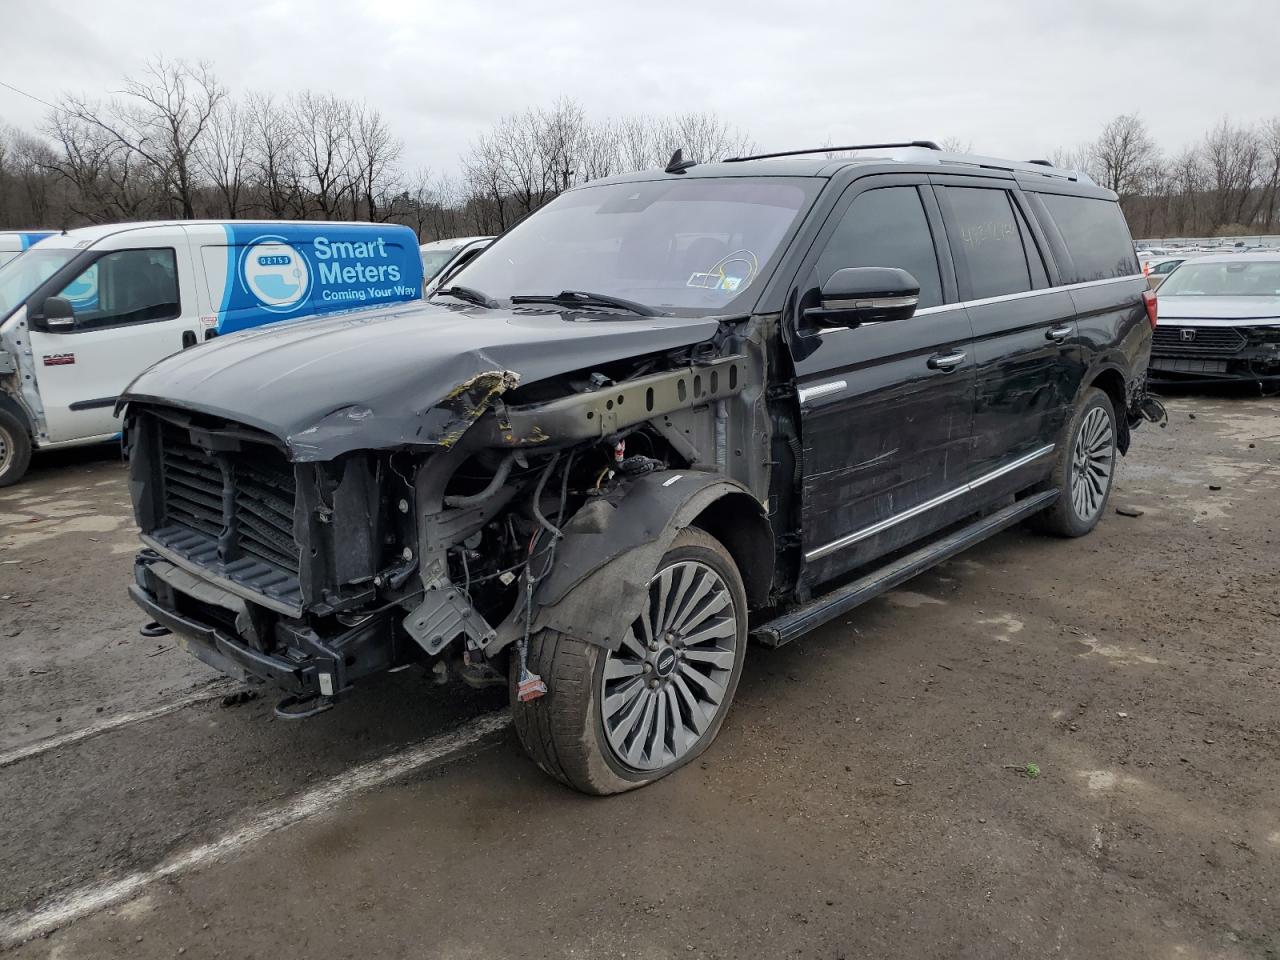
(275,274)
(277,271)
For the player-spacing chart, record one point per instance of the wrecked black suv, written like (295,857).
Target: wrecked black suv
(669,412)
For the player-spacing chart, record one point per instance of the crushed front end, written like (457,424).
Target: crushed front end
(1184,351)
(310,574)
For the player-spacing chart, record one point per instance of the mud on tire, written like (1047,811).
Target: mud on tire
(565,732)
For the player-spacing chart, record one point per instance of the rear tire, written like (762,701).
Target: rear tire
(1084,469)
(650,728)
(15,449)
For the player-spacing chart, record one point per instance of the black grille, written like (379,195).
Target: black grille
(1199,341)
(230,512)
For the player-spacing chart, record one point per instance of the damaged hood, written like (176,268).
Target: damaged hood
(411,374)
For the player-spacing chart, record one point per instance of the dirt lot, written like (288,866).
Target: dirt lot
(864,799)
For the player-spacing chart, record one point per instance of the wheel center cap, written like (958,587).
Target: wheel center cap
(665,663)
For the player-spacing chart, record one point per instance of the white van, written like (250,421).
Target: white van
(85,311)
(13,242)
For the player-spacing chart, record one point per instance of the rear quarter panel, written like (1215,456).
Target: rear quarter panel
(1114,332)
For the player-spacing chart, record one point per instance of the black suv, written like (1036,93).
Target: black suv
(668,412)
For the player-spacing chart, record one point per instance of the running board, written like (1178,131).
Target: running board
(787,627)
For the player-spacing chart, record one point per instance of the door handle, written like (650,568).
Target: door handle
(1058,333)
(946,361)
(188,339)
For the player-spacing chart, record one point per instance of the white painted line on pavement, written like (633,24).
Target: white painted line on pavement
(114,723)
(61,910)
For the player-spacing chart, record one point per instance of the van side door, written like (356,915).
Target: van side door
(886,409)
(131,306)
(1026,345)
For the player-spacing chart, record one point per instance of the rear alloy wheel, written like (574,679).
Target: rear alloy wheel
(613,720)
(1084,470)
(15,449)
(1093,459)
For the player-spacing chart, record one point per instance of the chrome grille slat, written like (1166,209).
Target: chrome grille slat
(1207,341)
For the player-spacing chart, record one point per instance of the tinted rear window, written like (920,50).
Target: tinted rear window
(988,242)
(1096,236)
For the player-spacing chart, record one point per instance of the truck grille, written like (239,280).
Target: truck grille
(230,513)
(1203,342)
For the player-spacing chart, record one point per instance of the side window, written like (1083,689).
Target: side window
(986,239)
(886,227)
(1096,236)
(131,286)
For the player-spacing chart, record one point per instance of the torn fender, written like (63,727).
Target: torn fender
(612,548)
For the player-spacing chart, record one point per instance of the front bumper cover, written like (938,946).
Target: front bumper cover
(230,635)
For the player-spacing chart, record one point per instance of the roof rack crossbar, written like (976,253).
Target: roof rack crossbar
(927,144)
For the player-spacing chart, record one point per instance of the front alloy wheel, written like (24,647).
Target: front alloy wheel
(613,720)
(665,686)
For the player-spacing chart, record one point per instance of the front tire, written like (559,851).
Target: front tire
(612,721)
(1084,470)
(15,449)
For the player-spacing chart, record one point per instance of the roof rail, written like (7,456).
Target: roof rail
(927,144)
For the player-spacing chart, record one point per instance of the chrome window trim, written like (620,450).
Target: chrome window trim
(1004,298)
(849,539)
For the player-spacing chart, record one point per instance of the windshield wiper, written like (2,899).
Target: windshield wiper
(583,298)
(464,293)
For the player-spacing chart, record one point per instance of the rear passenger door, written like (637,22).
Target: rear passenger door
(886,408)
(1025,337)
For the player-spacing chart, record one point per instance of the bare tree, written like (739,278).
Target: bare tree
(1123,155)
(375,153)
(1232,155)
(1269,137)
(322,125)
(160,117)
(274,156)
(225,154)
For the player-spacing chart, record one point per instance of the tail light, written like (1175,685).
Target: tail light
(1146,268)
(1149,301)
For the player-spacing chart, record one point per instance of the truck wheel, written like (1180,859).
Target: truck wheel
(15,448)
(615,720)
(1084,470)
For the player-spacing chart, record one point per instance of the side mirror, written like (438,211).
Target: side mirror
(857,295)
(58,314)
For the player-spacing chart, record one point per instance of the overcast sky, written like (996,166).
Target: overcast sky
(1015,78)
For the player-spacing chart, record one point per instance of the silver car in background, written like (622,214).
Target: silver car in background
(443,256)
(1219,321)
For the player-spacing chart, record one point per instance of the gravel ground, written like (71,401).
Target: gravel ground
(868,796)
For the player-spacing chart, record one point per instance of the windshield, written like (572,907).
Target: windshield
(685,247)
(1234,278)
(20,277)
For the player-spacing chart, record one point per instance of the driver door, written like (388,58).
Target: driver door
(128,313)
(886,408)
